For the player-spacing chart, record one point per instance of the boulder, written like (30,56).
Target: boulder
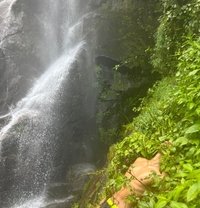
(78,175)
(57,191)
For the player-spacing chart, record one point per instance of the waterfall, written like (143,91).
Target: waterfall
(42,96)
(30,137)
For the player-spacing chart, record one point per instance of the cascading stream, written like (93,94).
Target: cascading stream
(30,131)
(42,96)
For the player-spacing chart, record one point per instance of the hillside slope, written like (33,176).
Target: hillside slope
(168,119)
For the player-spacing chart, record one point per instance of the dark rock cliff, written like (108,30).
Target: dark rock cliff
(125,33)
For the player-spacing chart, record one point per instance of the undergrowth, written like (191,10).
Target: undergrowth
(170,113)
(168,120)
(169,123)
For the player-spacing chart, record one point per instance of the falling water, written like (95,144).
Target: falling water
(42,96)
(30,129)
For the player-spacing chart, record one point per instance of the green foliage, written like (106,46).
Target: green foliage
(169,119)
(169,123)
(133,146)
(179,19)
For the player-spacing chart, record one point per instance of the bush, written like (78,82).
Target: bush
(170,113)
(179,19)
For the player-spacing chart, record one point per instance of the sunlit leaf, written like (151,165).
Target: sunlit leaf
(194,128)
(161,203)
(175,204)
(177,192)
(193,72)
(188,167)
(181,141)
(193,192)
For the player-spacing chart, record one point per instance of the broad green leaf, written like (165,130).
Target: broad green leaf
(194,128)
(177,192)
(181,141)
(161,203)
(198,111)
(143,205)
(195,174)
(151,203)
(175,204)
(193,72)
(188,167)
(193,192)
(191,105)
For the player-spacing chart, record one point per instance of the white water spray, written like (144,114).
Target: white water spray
(42,96)
(31,120)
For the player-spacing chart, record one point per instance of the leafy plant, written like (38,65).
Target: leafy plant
(169,123)
(169,116)
(179,19)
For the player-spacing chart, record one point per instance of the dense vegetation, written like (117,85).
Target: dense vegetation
(171,113)
(169,117)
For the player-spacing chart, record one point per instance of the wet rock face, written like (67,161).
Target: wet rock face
(96,3)
(29,42)
(120,90)
(2,63)
(77,122)
(57,191)
(78,175)
(19,38)
(124,31)
(126,28)
(76,178)
(31,38)
(2,71)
